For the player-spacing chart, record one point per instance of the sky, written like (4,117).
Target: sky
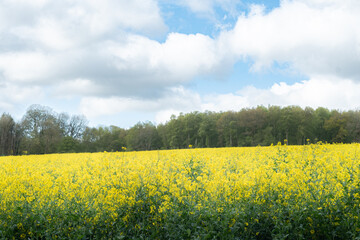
(118,62)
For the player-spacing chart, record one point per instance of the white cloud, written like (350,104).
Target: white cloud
(48,33)
(314,37)
(89,40)
(103,52)
(176,98)
(178,59)
(51,43)
(224,102)
(137,66)
(315,93)
(75,87)
(24,66)
(14,99)
(84,17)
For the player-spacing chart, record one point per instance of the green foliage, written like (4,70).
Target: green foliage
(246,219)
(110,139)
(69,145)
(143,136)
(44,131)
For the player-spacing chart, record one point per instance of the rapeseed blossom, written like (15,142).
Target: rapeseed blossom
(239,192)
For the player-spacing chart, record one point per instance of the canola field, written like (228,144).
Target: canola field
(276,192)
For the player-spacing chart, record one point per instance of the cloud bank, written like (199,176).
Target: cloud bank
(106,54)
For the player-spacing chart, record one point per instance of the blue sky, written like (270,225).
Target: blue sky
(181,18)
(118,62)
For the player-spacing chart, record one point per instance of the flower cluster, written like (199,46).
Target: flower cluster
(303,192)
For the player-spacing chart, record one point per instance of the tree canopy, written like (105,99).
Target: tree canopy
(41,130)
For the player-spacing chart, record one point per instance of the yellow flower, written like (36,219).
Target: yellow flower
(101,183)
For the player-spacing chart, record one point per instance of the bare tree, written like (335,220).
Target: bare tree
(76,126)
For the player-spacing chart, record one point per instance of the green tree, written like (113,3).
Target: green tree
(143,136)
(192,122)
(69,145)
(176,130)
(7,134)
(207,129)
(353,126)
(90,140)
(290,121)
(321,115)
(227,126)
(42,130)
(163,131)
(274,122)
(252,122)
(336,127)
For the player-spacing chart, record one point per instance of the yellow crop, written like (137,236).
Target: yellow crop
(245,192)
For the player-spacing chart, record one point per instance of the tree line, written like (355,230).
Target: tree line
(41,130)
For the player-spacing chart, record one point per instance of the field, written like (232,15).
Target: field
(276,192)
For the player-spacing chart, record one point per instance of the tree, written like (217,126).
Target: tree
(336,127)
(274,121)
(42,130)
(308,125)
(90,140)
(7,134)
(191,122)
(227,128)
(177,137)
(50,134)
(76,126)
(207,129)
(251,123)
(69,145)
(34,119)
(290,121)
(321,115)
(143,136)
(164,135)
(73,126)
(353,126)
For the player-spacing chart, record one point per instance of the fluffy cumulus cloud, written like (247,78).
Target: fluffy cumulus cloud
(14,99)
(90,18)
(314,37)
(318,39)
(59,45)
(44,40)
(176,98)
(313,93)
(104,47)
(105,53)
